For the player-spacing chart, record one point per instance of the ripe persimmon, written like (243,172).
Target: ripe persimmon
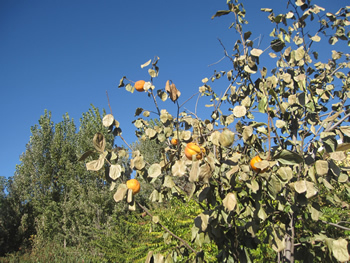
(134,185)
(255,160)
(174,141)
(139,85)
(193,149)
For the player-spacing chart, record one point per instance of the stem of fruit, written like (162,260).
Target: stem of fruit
(167,230)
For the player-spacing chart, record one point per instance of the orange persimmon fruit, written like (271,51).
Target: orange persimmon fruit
(174,141)
(193,149)
(134,185)
(139,85)
(255,160)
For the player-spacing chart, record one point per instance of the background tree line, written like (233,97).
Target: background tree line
(53,204)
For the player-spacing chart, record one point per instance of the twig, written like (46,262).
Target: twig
(336,225)
(125,142)
(339,122)
(109,105)
(188,99)
(167,230)
(217,62)
(155,102)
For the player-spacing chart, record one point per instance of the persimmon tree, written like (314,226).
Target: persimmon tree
(293,115)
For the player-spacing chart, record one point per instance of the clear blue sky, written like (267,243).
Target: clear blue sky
(64,55)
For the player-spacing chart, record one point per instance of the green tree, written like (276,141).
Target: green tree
(57,199)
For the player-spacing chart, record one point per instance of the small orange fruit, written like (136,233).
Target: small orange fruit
(134,185)
(174,141)
(139,85)
(193,149)
(255,160)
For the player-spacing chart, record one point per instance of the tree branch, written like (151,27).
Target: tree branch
(336,225)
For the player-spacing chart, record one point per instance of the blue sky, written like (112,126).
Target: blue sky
(64,55)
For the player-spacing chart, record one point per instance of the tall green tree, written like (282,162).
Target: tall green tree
(58,199)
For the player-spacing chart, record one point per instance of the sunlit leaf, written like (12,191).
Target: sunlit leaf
(121,192)
(146,64)
(179,168)
(239,111)
(321,167)
(230,201)
(154,170)
(115,171)
(340,250)
(108,120)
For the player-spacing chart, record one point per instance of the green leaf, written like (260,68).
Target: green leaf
(262,105)
(221,13)
(277,45)
(85,155)
(274,186)
(247,35)
(138,111)
(288,157)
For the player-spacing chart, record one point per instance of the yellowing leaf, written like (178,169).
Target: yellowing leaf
(340,250)
(239,111)
(179,168)
(108,120)
(146,64)
(256,52)
(321,167)
(154,170)
(99,142)
(173,92)
(115,171)
(121,192)
(230,201)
